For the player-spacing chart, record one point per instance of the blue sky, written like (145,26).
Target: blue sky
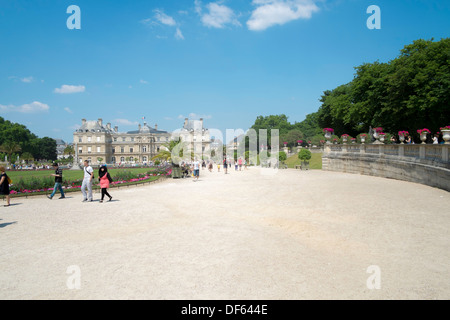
(227,61)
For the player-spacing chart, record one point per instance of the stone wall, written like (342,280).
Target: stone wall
(425,164)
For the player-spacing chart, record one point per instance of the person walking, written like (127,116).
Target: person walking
(105,179)
(240,163)
(4,185)
(87,181)
(58,182)
(196,167)
(225,165)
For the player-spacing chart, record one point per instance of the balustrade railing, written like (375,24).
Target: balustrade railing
(431,152)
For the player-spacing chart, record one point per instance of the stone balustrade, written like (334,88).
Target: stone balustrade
(422,163)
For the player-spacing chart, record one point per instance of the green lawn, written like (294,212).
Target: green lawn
(67,174)
(314,163)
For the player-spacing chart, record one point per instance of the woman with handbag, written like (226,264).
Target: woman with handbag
(4,185)
(105,179)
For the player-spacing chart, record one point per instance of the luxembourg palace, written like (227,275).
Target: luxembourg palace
(99,143)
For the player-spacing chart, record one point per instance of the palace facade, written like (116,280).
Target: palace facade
(99,143)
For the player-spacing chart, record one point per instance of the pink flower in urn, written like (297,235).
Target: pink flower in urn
(379,130)
(328,130)
(420,131)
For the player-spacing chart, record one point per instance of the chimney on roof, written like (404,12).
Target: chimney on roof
(108,126)
(156,126)
(100,122)
(186,122)
(116,129)
(139,126)
(83,121)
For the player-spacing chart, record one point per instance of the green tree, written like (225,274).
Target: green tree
(69,151)
(304,155)
(10,147)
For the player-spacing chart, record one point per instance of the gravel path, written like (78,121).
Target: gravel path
(245,235)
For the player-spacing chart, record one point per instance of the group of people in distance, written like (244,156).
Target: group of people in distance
(104,179)
(194,167)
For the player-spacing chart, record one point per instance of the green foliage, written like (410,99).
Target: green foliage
(282,156)
(408,93)
(289,133)
(304,155)
(17,134)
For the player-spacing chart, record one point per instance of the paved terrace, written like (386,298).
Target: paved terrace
(245,235)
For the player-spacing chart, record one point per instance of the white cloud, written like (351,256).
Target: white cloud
(27,79)
(143,81)
(218,16)
(278,12)
(34,107)
(164,18)
(179,35)
(67,89)
(125,122)
(68,110)
(198,7)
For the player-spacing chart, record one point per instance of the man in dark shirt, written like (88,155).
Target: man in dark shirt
(58,181)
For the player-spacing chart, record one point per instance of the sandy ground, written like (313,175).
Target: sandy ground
(246,235)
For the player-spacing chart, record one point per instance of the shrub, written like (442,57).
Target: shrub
(304,155)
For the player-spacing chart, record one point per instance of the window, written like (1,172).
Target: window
(122,149)
(159,139)
(89,149)
(80,150)
(113,150)
(124,139)
(113,159)
(79,139)
(98,149)
(167,139)
(122,159)
(115,139)
(157,149)
(131,150)
(99,139)
(132,139)
(144,148)
(89,139)
(144,159)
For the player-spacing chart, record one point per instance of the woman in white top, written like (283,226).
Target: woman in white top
(435,139)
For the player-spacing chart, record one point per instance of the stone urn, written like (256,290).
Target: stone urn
(345,138)
(446,136)
(381,137)
(401,138)
(328,136)
(423,137)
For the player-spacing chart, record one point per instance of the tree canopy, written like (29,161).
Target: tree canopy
(17,139)
(408,93)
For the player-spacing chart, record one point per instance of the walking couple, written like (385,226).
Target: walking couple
(104,178)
